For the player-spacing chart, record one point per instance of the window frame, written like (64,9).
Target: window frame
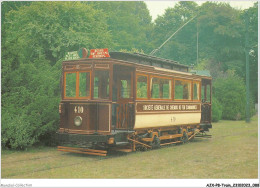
(109,85)
(199,89)
(150,88)
(208,94)
(64,85)
(147,87)
(191,89)
(88,97)
(77,84)
(131,96)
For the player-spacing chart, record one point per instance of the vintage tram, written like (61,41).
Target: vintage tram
(130,102)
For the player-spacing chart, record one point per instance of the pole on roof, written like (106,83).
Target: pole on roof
(157,49)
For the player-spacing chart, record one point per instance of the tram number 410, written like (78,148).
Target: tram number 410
(78,109)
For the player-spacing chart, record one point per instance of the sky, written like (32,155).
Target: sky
(158,7)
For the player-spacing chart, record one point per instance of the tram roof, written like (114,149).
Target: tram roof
(149,60)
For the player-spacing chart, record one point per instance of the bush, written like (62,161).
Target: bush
(230,91)
(30,108)
(216,110)
(17,132)
(31,65)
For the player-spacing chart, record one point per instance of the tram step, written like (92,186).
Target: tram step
(124,150)
(82,151)
(121,143)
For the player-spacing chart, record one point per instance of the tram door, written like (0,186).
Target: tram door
(206,101)
(124,108)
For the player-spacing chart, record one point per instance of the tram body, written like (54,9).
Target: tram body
(136,100)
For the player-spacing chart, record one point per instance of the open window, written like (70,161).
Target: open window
(70,84)
(101,84)
(77,85)
(182,89)
(160,88)
(196,91)
(84,84)
(125,88)
(141,87)
(206,91)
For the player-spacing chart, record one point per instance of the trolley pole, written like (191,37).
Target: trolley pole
(247,71)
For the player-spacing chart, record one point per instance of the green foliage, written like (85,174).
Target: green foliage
(253,48)
(182,47)
(133,50)
(7,6)
(129,23)
(216,110)
(178,92)
(231,93)
(141,90)
(52,28)
(17,131)
(30,108)
(221,38)
(71,84)
(35,39)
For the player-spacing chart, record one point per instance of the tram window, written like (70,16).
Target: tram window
(208,93)
(125,89)
(182,90)
(70,87)
(202,93)
(196,91)
(101,84)
(166,89)
(84,84)
(155,91)
(141,91)
(161,88)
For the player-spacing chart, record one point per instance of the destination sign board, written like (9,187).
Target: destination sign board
(99,53)
(145,107)
(81,53)
(72,55)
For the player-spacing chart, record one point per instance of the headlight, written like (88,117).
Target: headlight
(77,121)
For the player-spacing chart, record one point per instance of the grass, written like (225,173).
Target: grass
(231,153)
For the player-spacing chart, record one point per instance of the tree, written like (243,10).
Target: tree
(129,23)
(216,110)
(221,38)
(222,41)
(182,47)
(231,93)
(35,40)
(9,6)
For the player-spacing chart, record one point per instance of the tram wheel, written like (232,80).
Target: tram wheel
(184,138)
(156,142)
